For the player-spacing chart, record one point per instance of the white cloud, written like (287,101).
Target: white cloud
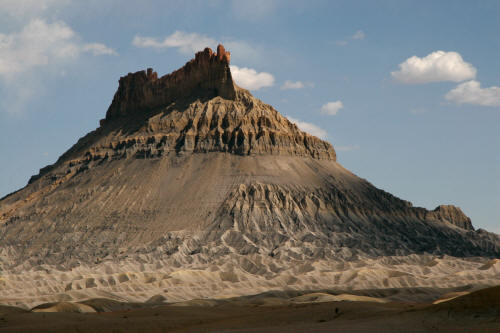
(332,108)
(41,44)
(187,43)
(250,79)
(98,49)
(190,43)
(22,9)
(309,128)
(359,35)
(37,44)
(292,85)
(435,67)
(470,92)
(347,148)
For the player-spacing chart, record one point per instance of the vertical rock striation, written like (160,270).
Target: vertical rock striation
(451,214)
(190,172)
(207,75)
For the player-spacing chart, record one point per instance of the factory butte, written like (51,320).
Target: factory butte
(191,187)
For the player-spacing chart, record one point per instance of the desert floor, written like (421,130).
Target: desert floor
(477,311)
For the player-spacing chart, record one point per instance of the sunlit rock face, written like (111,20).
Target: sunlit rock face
(190,182)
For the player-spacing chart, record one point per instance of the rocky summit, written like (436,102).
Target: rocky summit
(191,187)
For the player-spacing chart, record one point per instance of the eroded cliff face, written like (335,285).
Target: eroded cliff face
(451,214)
(196,109)
(244,126)
(191,171)
(207,75)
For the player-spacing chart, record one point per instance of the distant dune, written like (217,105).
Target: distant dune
(293,311)
(194,196)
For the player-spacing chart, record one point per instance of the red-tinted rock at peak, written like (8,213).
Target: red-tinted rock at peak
(191,185)
(207,75)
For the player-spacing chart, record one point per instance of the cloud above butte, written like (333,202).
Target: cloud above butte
(437,66)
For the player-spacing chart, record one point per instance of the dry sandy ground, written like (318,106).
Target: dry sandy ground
(133,281)
(474,312)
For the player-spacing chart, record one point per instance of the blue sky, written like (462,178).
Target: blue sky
(408,92)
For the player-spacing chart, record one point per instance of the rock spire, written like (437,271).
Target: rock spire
(207,75)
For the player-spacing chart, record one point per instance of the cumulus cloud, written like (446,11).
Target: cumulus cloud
(38,45)
(41,44)
(470,92)
(292,85)
(435,67)
(309,128)
(332,108)
(250,79)
(189,43)
(186,42)
(98,49)
(23,9)
(359,35)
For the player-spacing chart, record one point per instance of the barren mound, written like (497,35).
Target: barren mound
(487,299)
(192,188)
(322,297)
(63,307)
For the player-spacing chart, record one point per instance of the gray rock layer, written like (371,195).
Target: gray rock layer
(268,205)
(211,172)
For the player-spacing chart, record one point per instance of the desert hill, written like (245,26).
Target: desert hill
(191,187)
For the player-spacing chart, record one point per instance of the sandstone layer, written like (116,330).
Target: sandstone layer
(191,187)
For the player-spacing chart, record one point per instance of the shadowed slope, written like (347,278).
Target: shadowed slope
(190,180)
